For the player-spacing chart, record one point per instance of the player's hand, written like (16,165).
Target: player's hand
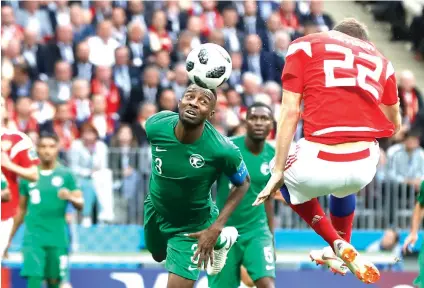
(206,240)
(6,251)
(409,242)
(274,184)
(5,160)
(64,194)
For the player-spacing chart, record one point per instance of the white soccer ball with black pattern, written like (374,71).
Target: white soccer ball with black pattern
(209,65)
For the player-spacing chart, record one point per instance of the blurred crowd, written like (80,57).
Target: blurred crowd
(94,71)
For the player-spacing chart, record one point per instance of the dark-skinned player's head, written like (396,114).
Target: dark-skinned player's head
(259,121)
(197,105)
(353,27)
(48,147)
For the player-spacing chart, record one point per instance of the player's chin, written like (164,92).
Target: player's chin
(191,121)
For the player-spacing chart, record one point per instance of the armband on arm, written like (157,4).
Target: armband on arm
(238,178)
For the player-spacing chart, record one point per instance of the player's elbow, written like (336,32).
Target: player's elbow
(33,175)
(5,195)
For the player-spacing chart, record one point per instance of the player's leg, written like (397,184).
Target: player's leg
(246,280)
(155,241)
(342,212)
(57,262)
(230,275)
(33,265)
(5,228)
(259,259)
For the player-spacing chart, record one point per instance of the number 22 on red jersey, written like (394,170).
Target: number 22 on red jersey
(344,62)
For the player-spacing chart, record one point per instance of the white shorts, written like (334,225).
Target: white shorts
(5,228)
(314,169)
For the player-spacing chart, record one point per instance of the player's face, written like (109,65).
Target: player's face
(47,150)
(259,123)
(196,106)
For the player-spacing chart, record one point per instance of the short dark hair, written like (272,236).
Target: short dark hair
(353,27)
(213,91)
(48,134)
(258,105)
(415,133)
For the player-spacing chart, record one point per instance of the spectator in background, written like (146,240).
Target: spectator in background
(60,84)
(31,16)
(194,26)
(119,30)
(62,48)
(268,36)
(289,19)
(144,112)
(183,47)
(406,165)
(80,28)
(411,99)
(11,56)
(158,35)
(163,61)
(59,13)
(251,87)
(42,109)
(104,123)
(34,54)
(21,83)
(125,76)
(257,61)
(80,103)
(5,93)
(389,242)
(136,12)
(103,45)
(233,36)
(235,77)
(210,18)
(181,81)
(281,45)
(103,84)
(22,118)
(168,100)
(138,44)
(251,23)
(86,156)
(64,127)
(124,162)
(82,68)
(9,29)
(318,17)
(417,35)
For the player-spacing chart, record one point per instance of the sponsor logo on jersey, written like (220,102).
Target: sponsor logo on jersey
(197,161)
(57,181)
(265,168)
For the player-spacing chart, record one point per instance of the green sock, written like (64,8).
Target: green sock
(220,243)
(35,282)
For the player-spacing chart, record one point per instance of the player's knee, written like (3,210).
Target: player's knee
(158,258)
(266,282)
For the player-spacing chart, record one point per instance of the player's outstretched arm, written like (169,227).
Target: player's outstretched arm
(74,197)
(417,218)
(286,127)
(29,173)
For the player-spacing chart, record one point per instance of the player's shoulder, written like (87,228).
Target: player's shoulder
(219,143)
(161,116)
(15,142)
(237,140)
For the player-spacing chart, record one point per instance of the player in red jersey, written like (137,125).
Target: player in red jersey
(350,99)
(18,159)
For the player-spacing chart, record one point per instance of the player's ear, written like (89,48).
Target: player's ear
(211,114)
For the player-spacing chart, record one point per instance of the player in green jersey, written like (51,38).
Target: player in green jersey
(417,218)
(255,246)
(43,204)
(181,223)
(5,193)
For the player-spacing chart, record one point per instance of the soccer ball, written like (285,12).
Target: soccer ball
(209,65)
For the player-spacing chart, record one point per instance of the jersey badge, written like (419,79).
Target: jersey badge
(57,181)
(265,168)
(6,145)
(196,161)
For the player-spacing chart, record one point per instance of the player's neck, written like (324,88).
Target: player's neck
(47,166)
(255,147)
(186,134)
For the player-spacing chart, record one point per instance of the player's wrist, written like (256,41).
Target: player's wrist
(216,227)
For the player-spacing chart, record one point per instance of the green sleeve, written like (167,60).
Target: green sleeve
(71,183)
(3,182)
(152,121)
(233,165)
(23,188)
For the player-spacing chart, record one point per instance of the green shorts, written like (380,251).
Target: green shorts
(162,238)
(255,251)
(45,262)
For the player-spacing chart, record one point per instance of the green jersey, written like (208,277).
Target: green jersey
(3,182)
(420,197)
(246,218)
(182,174)
(45,223)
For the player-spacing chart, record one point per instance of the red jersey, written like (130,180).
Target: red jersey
(21,151)
(343,80)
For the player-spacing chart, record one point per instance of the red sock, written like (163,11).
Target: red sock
(312,213)
(343,225)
